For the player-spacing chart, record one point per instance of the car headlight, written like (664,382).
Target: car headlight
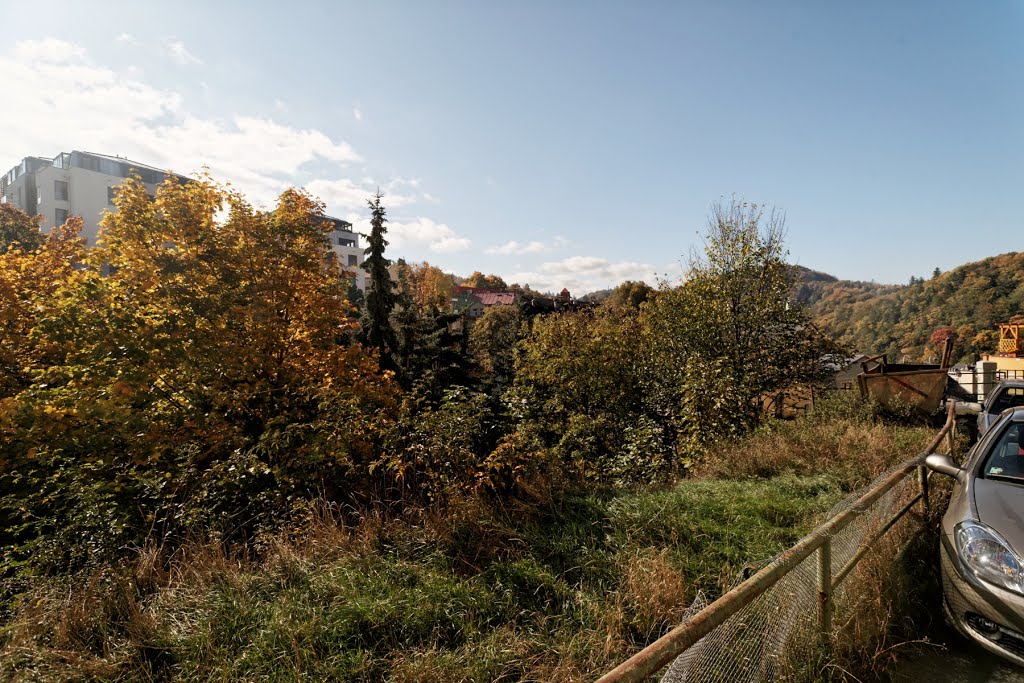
(989,557)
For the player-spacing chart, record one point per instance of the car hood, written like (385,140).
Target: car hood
(1000,506)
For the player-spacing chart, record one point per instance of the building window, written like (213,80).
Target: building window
(60,216)
(60,190)
(352,260)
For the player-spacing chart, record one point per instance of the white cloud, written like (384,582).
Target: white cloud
(280,105)
(343,194)
(420,231)
(177,51)
(127,38)
(339,195)
(87,106)
(90,107)
(513,247)
(357,113)
(582,274)
(47,51)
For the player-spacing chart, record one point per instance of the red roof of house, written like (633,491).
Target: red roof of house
(495,298)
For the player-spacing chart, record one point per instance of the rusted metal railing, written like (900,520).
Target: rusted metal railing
(661,652)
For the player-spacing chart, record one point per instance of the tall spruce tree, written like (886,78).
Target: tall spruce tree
(380,297)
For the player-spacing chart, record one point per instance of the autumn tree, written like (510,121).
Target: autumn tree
(210,381)
(431,286)
(380,297)
(478,279)
(939,337)
(31,282)
(18,229)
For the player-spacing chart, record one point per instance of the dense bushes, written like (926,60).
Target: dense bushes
(186,376)
(199,372)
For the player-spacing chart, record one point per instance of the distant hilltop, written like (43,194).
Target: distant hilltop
(971,300)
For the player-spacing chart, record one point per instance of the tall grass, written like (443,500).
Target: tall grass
(552,589)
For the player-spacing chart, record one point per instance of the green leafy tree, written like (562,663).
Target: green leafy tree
(628,297)
(493,339)
(734,313)
(578,392)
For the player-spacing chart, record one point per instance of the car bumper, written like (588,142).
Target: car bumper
(968,602)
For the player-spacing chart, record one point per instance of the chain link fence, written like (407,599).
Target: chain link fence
(773,637)
(772,625)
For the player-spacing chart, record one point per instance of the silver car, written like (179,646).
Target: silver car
(982,549)
(1005,394)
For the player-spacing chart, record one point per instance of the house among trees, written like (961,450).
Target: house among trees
(471,302)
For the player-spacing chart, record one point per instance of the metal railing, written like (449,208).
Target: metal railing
(660,653)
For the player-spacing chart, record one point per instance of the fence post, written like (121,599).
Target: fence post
(825,590)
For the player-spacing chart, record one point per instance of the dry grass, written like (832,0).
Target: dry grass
(552,590)
(845,441)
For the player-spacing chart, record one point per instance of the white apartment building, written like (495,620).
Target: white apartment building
(346,246)
(74,183)
(83,184)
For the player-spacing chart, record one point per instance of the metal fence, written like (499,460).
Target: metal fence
(757,630)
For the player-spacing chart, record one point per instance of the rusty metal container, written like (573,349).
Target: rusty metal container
(919,386)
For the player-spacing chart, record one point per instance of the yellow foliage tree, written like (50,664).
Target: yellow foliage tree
(199,367)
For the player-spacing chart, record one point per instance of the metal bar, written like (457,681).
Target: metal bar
(922,482)
(658,654)
(866,546)
(825,590)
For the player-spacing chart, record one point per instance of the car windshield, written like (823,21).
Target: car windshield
(1006,458)
(1010,397)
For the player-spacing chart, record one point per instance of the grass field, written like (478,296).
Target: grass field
(552,589)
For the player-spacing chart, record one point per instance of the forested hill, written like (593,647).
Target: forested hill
(900,319)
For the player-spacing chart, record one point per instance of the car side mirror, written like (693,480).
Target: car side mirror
(943,464)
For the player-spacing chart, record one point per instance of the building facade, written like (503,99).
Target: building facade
(345,243)
(75,183)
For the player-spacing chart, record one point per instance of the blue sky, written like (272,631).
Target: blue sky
(559,144)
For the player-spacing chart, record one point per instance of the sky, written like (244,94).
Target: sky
(558,144)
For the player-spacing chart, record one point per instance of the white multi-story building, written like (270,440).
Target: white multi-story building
(75,183)
(84,184)
(346,246)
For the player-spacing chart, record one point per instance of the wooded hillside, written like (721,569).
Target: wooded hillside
(900,320)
